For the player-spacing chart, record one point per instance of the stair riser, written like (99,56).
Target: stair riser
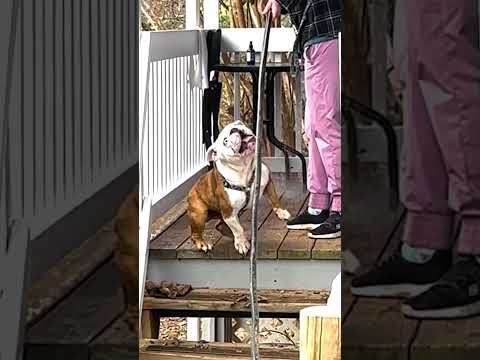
(285,274)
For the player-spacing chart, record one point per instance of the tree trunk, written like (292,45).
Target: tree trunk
(238,13)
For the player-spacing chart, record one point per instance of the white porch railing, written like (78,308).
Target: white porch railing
(171,148)
(74,131)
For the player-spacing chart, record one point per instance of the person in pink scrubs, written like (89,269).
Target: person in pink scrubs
(318,23)
(441,169)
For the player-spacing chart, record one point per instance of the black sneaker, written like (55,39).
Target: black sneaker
(307,221)
(455,295)
(397,277)
(329,229)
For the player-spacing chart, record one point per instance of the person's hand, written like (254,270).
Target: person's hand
(274,6)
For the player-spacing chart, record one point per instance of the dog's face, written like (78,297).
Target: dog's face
(236,143)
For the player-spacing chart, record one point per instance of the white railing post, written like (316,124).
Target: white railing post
(278,82)
(192,14)
(210,14)
(144,69)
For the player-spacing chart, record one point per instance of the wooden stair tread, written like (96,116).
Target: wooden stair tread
(117,342)
(71,321)
(237,300)
(74,268)
(158,350)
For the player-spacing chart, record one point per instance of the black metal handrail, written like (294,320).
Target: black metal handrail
(350,105)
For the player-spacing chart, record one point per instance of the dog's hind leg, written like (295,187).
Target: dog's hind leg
(198,216)
(274,201)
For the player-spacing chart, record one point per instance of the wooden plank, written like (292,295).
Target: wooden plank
(224,249)
(116,342)
(330,249)
(274,230)
(72,270)
(447,339)
(236,300)
(159,350)
(188,250)
(150,324)
(168,218)
(83,314)
(320,337)
(296,244)
(376,329)
(164,246)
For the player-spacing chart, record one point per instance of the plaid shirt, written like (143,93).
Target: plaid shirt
(323,19)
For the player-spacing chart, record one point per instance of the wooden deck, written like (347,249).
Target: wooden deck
(157,350)
(375,328)
(275,240)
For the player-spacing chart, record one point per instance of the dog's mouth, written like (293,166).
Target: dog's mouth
(248,140)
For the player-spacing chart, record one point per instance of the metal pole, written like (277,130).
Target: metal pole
(256,187)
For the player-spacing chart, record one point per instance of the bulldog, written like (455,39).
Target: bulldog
(228,187)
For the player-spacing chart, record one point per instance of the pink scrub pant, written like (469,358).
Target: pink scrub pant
(322,125)
(441,165)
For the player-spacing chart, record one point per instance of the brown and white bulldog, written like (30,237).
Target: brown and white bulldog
(228,187)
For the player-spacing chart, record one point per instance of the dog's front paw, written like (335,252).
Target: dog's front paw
(242,245)
(283,214)
(203,246)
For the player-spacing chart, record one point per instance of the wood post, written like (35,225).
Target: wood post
(320,334)
(150,324)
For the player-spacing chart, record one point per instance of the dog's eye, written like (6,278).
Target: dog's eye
(225,141)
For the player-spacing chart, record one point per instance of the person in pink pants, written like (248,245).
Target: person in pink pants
(441,169)
(318,24)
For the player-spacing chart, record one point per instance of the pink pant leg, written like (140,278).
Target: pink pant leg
(441,174)
(322,125)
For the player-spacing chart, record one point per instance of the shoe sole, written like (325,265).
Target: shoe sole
(303,226)
(391,291)
(326,236)
(447,313)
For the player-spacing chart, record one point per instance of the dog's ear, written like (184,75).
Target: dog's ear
(212,153)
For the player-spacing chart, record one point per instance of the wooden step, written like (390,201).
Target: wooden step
(159,350)
(69,328)
(237,300)
(72,270)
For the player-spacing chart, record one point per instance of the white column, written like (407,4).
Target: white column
(192,14)
(210,14)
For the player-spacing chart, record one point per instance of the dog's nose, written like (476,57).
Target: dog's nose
(235,141)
